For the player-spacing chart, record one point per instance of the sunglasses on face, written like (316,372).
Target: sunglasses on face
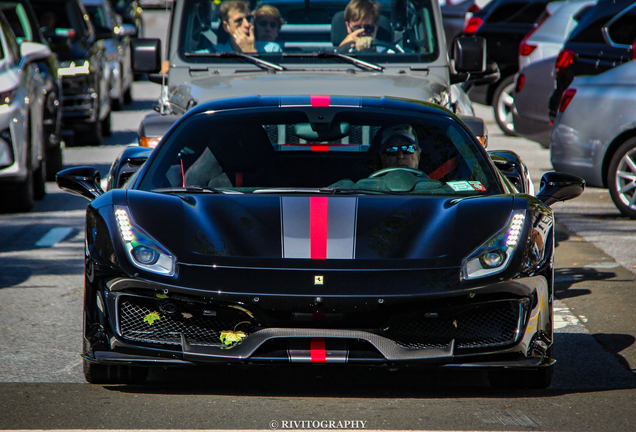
(370,28)
(406,149)
(265,24)
(239,21)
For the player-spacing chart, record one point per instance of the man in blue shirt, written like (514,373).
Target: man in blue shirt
(238,23)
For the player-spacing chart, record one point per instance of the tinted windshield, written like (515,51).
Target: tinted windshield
(287,31)
(98,15)
(287,149)
(61,18)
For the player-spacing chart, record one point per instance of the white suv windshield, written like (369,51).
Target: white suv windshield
(313,31)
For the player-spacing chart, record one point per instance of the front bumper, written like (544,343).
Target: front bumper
(500,329)
(80,99)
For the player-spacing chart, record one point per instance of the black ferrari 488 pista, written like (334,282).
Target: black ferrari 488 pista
(319,229)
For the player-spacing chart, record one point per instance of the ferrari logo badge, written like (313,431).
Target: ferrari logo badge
(318,280)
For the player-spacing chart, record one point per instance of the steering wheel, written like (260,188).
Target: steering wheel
(351,48)
(385,171)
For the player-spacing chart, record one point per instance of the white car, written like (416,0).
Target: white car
(22,160)
(547,39)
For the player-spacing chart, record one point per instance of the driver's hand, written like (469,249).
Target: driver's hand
(246,42)
(364,43)
(354,38)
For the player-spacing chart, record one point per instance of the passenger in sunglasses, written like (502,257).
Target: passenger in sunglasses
(238,23)
(400,148)
(361,18)
(268,21)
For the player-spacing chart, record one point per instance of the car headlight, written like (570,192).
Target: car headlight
(143,251)
(7,97)
(72,69)
(493,256)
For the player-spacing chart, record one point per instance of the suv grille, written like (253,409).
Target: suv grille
(200,324)
(480,326)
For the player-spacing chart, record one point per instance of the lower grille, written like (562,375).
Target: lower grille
(480,326)
(200,324)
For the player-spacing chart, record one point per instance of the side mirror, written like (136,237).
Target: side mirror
(146,55)
(82,181)
(126,30)
(557,187)
(32,51)
(469,54)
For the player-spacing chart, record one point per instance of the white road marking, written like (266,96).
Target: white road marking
(54,236)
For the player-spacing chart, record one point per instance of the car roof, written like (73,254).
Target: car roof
(326,101)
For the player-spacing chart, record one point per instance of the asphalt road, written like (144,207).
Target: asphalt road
(42,386)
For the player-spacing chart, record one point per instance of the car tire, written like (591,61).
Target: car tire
(118,104)
(621,178)
(502,103)
(54,162)
(540,378)
(114,374)
(23,193)
(107,126)
(91,136)
(39,181)
(128,99)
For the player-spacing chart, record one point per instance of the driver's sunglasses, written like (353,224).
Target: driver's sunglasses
(370,28)
(406,149)
(239,21)
(265,23)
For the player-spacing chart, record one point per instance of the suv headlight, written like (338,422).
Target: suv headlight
(143,251)
(493,256)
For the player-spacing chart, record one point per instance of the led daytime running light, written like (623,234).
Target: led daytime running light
(124,225)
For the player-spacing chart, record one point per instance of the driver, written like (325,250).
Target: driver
(361,18)
(400,148)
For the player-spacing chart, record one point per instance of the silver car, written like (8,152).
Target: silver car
(594,134)
(117,49)
(535,80)
(22,147)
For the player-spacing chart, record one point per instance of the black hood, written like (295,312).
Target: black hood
(292,229)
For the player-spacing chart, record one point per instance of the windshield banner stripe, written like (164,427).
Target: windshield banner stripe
(319,101)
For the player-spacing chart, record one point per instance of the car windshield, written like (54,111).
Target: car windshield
(292,150)
(311,31)
(60,18)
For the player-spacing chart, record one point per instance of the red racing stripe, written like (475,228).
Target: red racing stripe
(318,223)
(320,148)
(318,350)
(319,101)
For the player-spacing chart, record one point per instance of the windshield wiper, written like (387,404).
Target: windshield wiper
(248,58)
(345,58)
(195,189)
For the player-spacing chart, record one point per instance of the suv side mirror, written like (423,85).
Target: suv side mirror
(469,54)
(146,55)
(557,186)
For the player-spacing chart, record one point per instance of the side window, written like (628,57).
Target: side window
(505,11)
(19,22)
(12,43)
(623,30)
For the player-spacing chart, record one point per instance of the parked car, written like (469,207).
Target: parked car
(22,144)
(117,49)
(594,134)
(25,27)
(83,68)
(455,14)
(503,23)
(603,39)
(535,79)
(269,234)
(409,58)
(132,13)
(547,37)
